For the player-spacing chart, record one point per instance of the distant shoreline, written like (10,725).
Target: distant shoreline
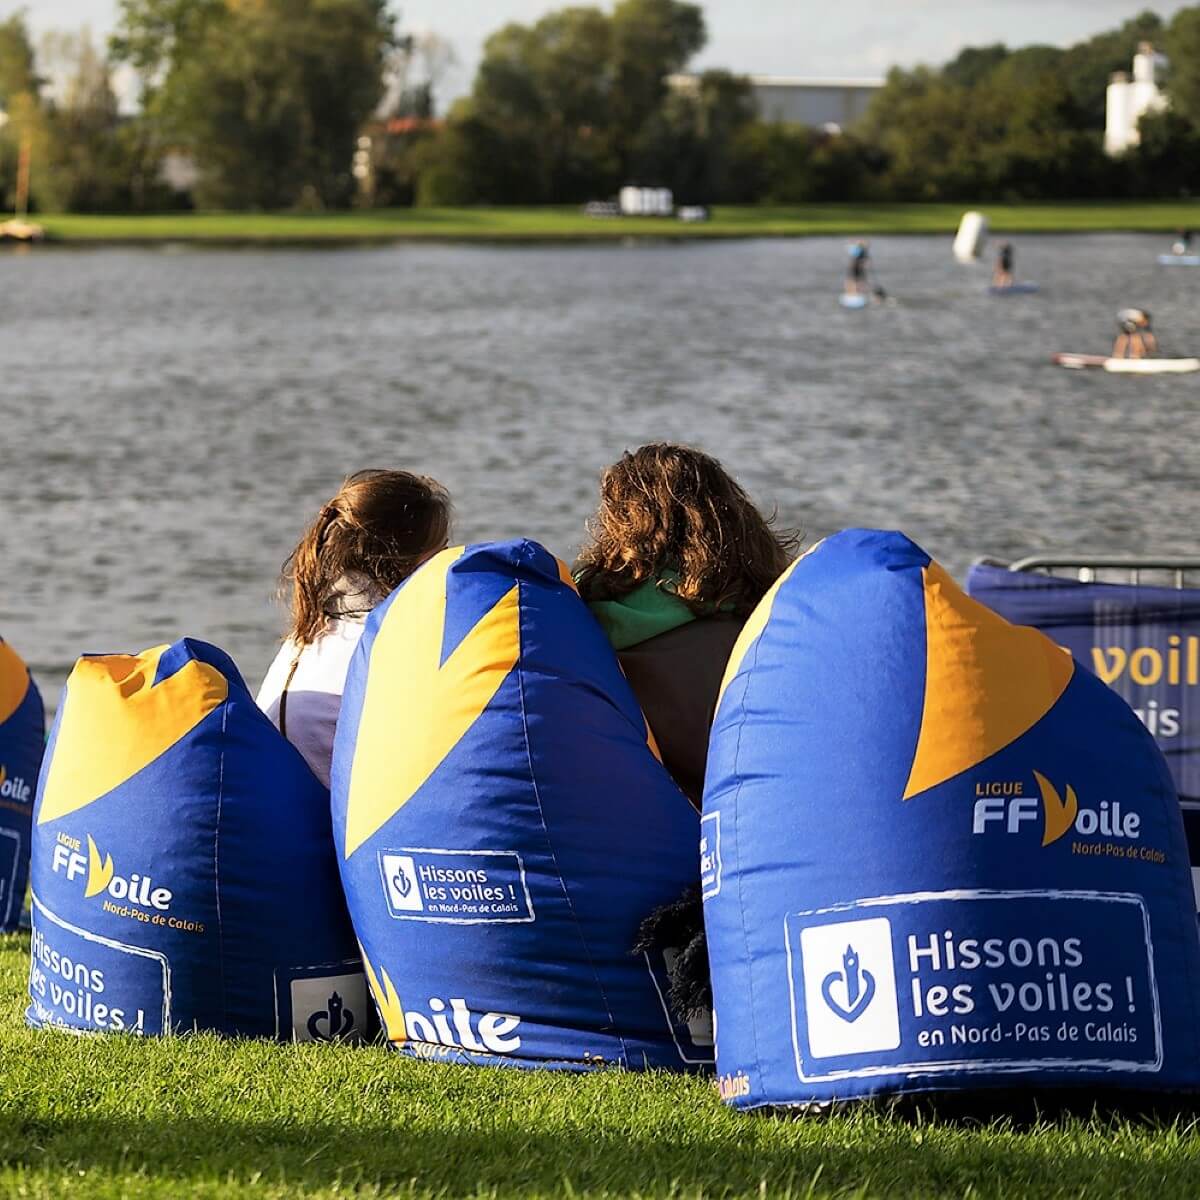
(569,225)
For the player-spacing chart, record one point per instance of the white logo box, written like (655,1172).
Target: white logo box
(859,916)
(871,1020)
(407,896)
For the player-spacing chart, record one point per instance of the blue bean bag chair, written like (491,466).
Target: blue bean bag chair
(940,856)
(183,865)
(22,739)
(504,825)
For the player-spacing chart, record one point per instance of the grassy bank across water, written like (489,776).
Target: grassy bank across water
(121,1118)
(569,224)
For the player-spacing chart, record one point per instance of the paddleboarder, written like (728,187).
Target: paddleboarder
(856,269)
(1136,337)
(1002,273)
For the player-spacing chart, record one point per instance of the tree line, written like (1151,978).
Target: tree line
(278,104)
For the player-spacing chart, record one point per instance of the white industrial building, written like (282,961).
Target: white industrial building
(1129,99)
(819,103)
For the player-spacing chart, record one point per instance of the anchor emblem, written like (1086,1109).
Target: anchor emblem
(338,1019)
(859,985)
(401,883)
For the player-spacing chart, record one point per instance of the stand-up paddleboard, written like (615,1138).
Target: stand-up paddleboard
(1128,366)
(1179,260)
(1152,366)
(853,300)
(1013,289)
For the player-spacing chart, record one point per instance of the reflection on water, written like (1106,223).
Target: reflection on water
(171,420)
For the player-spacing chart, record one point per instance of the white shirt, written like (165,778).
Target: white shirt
(314,695)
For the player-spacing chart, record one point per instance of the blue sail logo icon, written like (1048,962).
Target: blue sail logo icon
(856,984)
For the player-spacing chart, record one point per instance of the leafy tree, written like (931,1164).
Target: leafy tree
(564,109)
(782,163)
(920,123)
(547,89)
(473,160)
(451,169)
(973,64)
(1028,65)
(1009,125)
(21,104)
(651,40)
(18,72)
(1166,160)
(1087,67)
(94,159)
(268,95)
(1015,133)
(1182,45)
(692,143)
(83,166)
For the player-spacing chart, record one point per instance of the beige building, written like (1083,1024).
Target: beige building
(818,103)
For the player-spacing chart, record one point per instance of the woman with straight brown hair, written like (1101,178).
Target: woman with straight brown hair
(369,538)
(678,558)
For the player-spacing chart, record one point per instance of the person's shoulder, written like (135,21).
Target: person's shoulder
(716,633)
(276,678)
(334,648)
(341,631)
(318,666)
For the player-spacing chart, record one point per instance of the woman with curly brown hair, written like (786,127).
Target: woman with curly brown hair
(369,538)
(679,557)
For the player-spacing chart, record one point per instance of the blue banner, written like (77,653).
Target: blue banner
(1143,642)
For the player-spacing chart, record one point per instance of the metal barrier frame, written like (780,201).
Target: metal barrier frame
(1085,566)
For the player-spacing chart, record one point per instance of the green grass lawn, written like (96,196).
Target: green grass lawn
(118,1117)
(550,224)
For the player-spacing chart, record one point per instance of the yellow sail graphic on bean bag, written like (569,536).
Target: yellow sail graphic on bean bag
(986,683)
(417,708)
(116,720)
(14,681)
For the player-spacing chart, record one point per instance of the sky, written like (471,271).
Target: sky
(857,38)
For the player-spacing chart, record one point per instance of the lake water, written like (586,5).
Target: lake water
(172,419)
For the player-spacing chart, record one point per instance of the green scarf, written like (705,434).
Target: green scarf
(650,609)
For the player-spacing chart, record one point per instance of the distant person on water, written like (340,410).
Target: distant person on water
(1135,338)
(370,537)
(857,283)
(678,558)
(1002,275)
(1183,242)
